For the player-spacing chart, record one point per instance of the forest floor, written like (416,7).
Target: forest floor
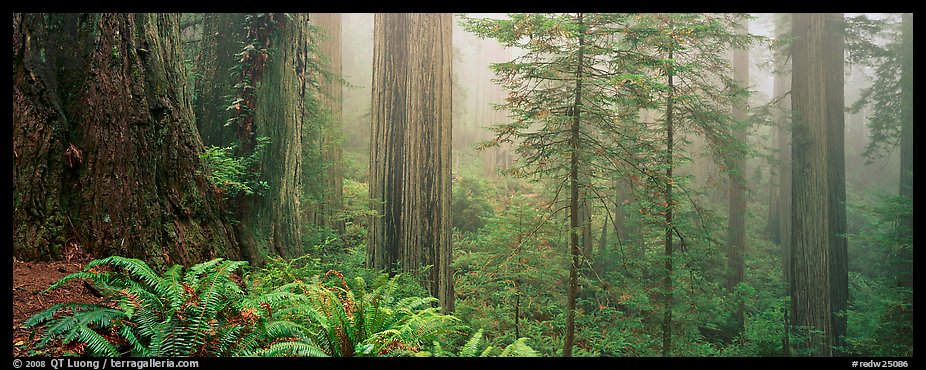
(30,279)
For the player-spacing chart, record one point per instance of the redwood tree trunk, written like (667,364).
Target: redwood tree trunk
(834,44)
(219,44)
(782,88)
(329,45)
(906,139)
(736,222)
(410,148)
(811,306)
(105,150)
(269,222)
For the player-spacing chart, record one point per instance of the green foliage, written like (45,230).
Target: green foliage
(354,322)
(509,266)
(880,313)
(469,205)
(880,318)
(356,211)
(200,311)
(877,44)
(234,175)
(205,311)
(474,348)
(280,271)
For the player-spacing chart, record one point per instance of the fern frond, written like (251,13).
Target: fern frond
(97,345)
(298,349)
(302,313)
(193,274)
(134,267)
(285,329)
(48,314)
(277,300)
(174,292)
(414,303)
(138,348)
(519,349)
(228,340)
(323,339)
(99,277)
(472,345)
(211,298)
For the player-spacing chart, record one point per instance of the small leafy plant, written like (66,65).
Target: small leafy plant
(231,174)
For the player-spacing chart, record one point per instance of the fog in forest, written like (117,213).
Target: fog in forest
(459,185)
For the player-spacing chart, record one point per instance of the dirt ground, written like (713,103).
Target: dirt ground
(30,279)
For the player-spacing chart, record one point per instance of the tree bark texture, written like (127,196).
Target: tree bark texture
(105,150)
(222,35)
(782,91)
(906,128)
(410,168)
(811,306)
(834,49)
(270,222)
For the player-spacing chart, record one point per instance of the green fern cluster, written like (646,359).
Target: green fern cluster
(206,311)
(200,311)
(519,348)
(354,322)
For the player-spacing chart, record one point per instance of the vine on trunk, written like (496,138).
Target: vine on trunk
(254,57)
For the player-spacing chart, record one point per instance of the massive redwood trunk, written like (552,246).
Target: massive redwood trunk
(105,150)
(410,148)
(275,65)
(819,259)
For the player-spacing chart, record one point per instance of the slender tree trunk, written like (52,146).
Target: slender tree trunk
(603,242)
(329,45)
(410,147)
(627,225)
(517,280)
(834,49)
(736,226)
(574,201)
(773,225)
(667,308)
(585,212)
(105,150)
(811,305)
(906,138)
(782,92)
(906,129)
